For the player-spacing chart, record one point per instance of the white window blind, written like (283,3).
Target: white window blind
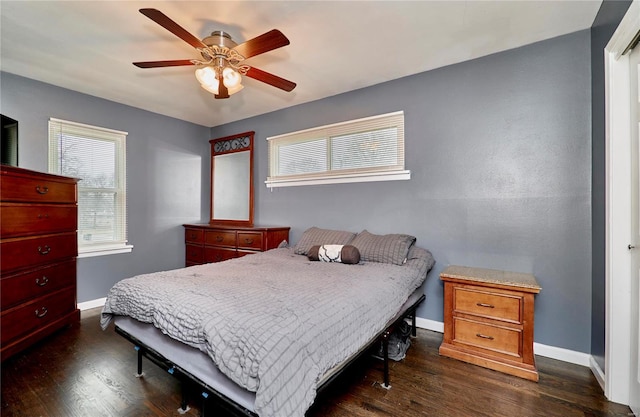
(97,157)
(369,149)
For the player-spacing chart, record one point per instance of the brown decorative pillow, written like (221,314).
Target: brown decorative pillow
(345,254)
(392,248)
(316,236)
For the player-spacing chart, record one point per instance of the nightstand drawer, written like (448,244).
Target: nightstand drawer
(488,304)
(499,340)
(220,237)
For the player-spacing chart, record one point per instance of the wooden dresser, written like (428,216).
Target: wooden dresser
(38,250)
(488,319)
(206,243)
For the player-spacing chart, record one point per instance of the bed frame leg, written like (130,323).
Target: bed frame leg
(184,407)
(139,350)
(413,325)
(385,358)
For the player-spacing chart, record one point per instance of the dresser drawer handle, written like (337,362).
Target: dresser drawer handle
(219,238)
(45,250)
(248,240)
(484,336)
(485,305)
(193,235)
(43,216)
(42,282)
(42,190)
(40,313)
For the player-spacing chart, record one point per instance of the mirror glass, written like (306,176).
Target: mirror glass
(232,180)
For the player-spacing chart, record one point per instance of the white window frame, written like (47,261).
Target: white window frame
(389,173)
(120,244)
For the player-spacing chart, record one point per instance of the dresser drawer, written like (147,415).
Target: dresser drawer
(250,240)
(33,219)
(29,317)
(18,288)
(499,340)
(218,254)
(486,303)
(31,251)
(38,190)
(194,254)
(220,238)
(194,236)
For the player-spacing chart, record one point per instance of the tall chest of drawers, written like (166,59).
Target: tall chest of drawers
(38,250)
(488,319)
(207,243)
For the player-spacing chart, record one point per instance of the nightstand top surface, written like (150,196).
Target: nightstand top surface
(491,276)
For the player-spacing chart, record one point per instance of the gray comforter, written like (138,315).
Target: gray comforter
(274,322)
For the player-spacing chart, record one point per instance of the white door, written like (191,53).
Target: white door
(634,78)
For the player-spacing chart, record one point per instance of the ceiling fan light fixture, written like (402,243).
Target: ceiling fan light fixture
(209,80)
(231,77)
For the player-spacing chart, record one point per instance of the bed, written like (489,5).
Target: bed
(265,332)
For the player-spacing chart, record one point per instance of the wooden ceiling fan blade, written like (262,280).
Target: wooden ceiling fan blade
(270,79)
(164,21)
(266,42)
(169,63)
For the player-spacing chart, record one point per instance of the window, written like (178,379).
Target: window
(369,149)
(97,157)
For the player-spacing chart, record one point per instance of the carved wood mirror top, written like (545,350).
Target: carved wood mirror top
(232,180)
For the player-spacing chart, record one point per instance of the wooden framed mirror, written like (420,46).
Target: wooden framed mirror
(232,180)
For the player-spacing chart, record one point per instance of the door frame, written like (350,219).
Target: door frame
(618,209)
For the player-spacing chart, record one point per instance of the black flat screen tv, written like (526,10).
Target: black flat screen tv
(9,145)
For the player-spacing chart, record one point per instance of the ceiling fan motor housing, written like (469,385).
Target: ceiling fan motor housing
(219,38)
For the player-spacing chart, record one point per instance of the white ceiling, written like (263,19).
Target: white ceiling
(88,46)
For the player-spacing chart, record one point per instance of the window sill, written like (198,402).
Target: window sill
(104,250)
(368,177)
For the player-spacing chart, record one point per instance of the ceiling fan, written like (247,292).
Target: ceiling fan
(222,59)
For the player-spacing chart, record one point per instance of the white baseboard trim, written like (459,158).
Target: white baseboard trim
(597,371)
(561,354)
(87,305)
(436,326)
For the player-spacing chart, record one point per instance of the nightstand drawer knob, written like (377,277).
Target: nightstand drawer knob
(484,336)
(485,305)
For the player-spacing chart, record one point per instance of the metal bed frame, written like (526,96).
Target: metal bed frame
(236,409)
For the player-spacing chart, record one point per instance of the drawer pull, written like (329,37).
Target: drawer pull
(42,282)
(219,238)
(485,305)
(40,313)
(42,190)
(484,336)
(43,216)
(248,240)
(193,235)
(45,250)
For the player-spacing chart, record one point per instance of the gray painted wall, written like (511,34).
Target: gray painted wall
(499,149)
(605,23)
(167,167)
(500,154)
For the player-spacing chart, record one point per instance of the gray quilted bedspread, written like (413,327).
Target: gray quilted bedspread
(274,322)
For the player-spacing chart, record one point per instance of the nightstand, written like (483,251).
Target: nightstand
(488,319)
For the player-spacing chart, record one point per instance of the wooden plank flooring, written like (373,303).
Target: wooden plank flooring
(83,371)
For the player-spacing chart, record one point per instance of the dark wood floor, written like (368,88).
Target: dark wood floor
(83,371)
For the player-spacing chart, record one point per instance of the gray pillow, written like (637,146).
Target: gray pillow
(316,236)
(392,248)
